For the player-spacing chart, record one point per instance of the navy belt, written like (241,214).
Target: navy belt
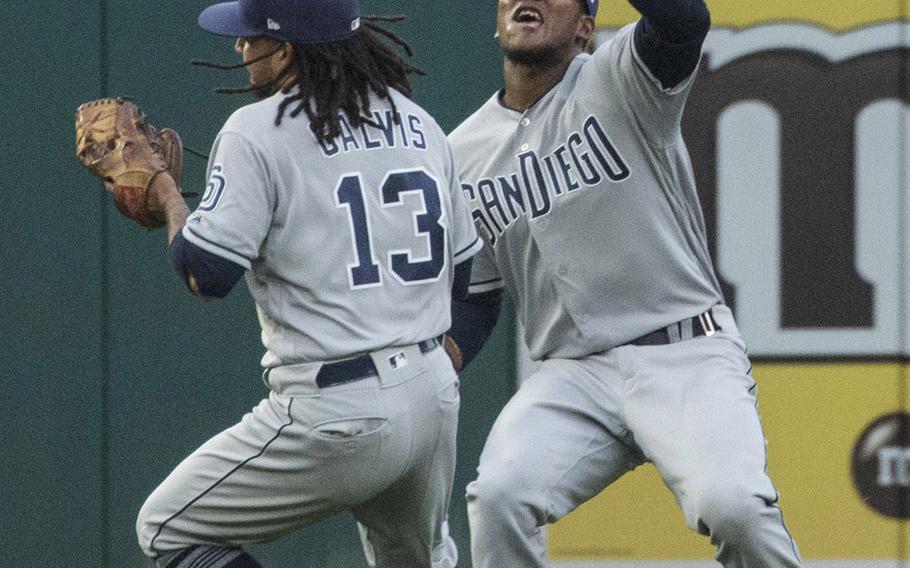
(360,367)
(702,324)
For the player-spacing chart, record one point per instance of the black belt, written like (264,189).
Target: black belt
(360,367)
(702,324)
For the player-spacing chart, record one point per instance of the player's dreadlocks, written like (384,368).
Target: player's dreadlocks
(338,76)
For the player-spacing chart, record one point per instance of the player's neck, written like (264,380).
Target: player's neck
(289,81)
(527,84)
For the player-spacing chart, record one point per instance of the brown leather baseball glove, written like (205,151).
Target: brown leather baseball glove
(116,143)
(454,353)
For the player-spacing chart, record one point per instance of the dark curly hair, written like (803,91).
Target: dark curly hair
(338,76)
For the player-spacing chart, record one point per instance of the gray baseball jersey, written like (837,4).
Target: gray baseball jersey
(349,246)
(599,160)
(587,205)
(348,243)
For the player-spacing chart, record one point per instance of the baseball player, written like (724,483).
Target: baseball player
(336,197)
(583,192)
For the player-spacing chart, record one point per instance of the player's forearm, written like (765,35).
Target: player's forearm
(676,21)
(669,37)
(473,321)
(166,199)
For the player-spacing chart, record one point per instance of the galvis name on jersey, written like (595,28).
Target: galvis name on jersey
(407,133)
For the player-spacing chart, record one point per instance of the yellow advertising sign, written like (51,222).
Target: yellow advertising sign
(837,15)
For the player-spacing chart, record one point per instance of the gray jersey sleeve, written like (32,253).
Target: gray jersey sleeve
(235,213)
(465,241)
(485,275)
(658,110)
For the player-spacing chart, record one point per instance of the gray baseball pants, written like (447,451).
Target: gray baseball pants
(575,426)
(382,447)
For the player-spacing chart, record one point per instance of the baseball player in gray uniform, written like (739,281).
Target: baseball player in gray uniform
(583,192)
(337,197)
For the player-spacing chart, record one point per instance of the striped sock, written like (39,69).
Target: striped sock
(208,557)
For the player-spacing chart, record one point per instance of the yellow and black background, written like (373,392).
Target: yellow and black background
(112,373)
(798,131)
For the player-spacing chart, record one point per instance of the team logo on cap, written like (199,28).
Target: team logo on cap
(272,24)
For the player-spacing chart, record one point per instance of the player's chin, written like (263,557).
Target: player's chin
(262,88)
(261,93)
(530,55)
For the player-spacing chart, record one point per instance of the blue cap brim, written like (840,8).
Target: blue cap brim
(226,19)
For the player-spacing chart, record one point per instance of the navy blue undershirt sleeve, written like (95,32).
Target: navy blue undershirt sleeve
(669,37)
(215,275)
(462,279)
(473,320)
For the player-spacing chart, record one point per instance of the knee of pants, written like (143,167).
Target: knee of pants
(729,512)
(494,496)
(145,528)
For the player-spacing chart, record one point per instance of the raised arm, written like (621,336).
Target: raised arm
(669,37)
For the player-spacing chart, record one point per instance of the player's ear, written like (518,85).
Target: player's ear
(287,51)
(585,29)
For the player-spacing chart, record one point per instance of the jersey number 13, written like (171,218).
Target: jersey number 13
(364,272)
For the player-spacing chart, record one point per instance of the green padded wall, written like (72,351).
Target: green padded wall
(51,355)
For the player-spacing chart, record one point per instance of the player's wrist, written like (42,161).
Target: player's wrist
(166,203)
(163,194)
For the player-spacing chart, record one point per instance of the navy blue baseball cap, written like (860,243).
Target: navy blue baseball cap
(592,8)
(295,21)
